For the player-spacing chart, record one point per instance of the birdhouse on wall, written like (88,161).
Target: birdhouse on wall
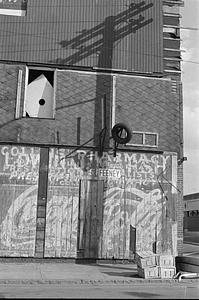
(39,99)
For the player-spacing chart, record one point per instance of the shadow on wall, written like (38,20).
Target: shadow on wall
(112,30)
(100,41)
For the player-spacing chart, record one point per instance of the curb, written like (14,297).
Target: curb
(98,282)
(14,260)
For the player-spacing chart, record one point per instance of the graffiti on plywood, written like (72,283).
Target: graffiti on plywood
(132,197)
(19,170)
(19,164)
(140,169)
(61,223)
(134,207)
(17,230)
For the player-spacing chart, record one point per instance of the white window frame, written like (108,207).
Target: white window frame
(144,133)
(54,89)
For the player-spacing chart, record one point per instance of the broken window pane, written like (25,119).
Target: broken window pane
(39,99)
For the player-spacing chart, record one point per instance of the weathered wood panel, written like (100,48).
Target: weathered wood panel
(90,218)
(139,191)
(142,198)
(19,168)
(61,223)
(62,206)
(41,202)
(92,203)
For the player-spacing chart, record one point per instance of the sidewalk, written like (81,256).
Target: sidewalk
(71,273)
(68,271)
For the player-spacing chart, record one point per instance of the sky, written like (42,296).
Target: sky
(190,80)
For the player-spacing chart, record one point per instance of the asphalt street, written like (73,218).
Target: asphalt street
(101,291)
(191,237)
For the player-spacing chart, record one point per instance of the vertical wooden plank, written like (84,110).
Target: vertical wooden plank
(93,218)
(69,221)
(62,229)
(41,202)
(87,219)
(67,218)
(132,227)
(19,86)
(99,203)
(119,227)
(90,219)
(96,217)
(62,210)
(123,254)
(81,219)
(58,230)
(113,237)
(112,223)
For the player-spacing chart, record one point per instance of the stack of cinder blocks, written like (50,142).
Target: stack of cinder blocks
(151,265)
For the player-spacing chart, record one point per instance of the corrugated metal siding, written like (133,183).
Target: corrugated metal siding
(145,46)
(86,33)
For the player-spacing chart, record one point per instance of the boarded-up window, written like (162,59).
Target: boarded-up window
(39,96)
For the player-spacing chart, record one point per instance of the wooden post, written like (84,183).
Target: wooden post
(41,203)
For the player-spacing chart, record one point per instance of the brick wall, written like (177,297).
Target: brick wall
(151,105)
(145,104)
(77,96)
(8,94)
